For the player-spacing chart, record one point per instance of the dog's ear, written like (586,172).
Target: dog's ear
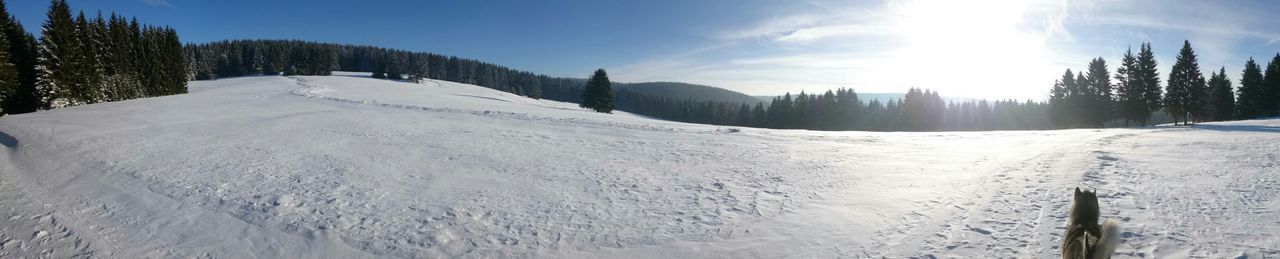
(1077,190)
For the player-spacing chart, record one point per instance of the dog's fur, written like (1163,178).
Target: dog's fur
(1084,238)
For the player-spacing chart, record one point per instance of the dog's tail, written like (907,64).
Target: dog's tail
(1109,240)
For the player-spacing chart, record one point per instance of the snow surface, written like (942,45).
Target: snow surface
(346,166)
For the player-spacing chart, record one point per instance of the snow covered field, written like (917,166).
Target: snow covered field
(349,167)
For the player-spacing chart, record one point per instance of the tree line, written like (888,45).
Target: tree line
(82,60)
(1091,99)
(841,109)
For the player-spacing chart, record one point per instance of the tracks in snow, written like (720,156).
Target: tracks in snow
(1018,210)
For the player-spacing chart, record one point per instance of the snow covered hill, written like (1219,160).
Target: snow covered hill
(346,166)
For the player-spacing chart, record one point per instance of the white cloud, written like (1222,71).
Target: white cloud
(163,3)
(812,34)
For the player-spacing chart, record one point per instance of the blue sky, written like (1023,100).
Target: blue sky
(988,49)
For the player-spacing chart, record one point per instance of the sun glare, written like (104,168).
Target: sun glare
(972,48)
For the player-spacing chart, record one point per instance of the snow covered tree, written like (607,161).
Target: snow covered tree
(1252,95)
(1184,98)
(1221,100)
(56,65)
(123,61)
(598,93)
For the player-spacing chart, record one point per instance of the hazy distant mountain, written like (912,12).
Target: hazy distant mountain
(682,91)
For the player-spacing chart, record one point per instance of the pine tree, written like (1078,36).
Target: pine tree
(421,69)
(598,93)
(1129,101)
(89,69)
(22,54)
(1097,103)
(1079,99)
(380,63)
(21,93)
(272,60)
(1271,82)
(394,65)
(1251,101)
(174,79)
(1147,80)
(8,75)
(1060,111)
(56,64)
(534,88)
(1183,99)
(108,77)
(152,70)
(124,59)
(1222,101)
(759,115)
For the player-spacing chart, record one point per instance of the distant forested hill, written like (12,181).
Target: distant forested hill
(681,91)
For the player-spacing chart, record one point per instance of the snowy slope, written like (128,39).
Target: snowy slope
(349,167)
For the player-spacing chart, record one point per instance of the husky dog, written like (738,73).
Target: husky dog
(1084,238)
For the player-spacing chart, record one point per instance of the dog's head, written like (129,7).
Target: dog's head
(1085,207)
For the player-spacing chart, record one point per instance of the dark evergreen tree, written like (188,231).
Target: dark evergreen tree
(1129,100)
(89,68)
(1082,96)
(1185,90)
(598,93)
(922,110)
(419,68)
(758,115)
(1147,80)
(153,71)
(8,75)
(1061,99)
(394,66)
(124,59)
(86,60)
(1271,82)
(1097,98)
(174,70)
(1252,93)
(22,96)
(273,59)
(1222,101)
